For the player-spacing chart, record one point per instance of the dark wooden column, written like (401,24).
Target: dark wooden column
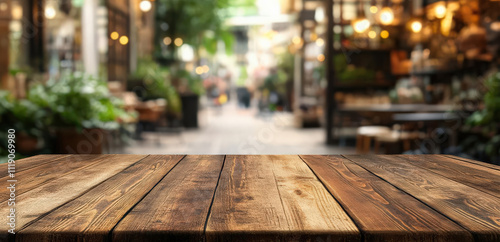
(118,54)
(33,32)
(4,42)
(330,75)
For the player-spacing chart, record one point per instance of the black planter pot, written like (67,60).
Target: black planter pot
(190,104)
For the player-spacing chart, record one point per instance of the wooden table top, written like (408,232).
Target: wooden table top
(247,198)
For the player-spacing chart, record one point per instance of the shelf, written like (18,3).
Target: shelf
(362,85)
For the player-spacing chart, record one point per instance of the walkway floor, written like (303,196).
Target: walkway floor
(230,130)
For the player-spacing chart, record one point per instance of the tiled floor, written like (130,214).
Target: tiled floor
(230,130)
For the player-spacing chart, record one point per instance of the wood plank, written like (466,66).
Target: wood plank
(30,163)
(92,216)
(492,166)
(475,210)
(49,171)
(275,198)
(381,211)
(476,176)
(177,208)
(31,205)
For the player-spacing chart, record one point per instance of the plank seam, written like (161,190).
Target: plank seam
(427,205)
(480,163)
(213,199)
(86,165)
(361,232)
(83,193)
(444,177)
(281,199)
(110,234)
(37,165)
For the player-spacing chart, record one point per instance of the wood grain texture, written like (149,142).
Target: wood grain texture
(92,216)
(177,208)
(474,210)
(275,198)
(496,167)
(381,211)
(470,174)
(30,163)
(31,205)
(32,178)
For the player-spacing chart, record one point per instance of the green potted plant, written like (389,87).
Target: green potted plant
(27,118)
(190,88)
(484,124)
(152,81)
(81,108)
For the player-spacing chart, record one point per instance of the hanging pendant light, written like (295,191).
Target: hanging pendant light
(386,14)
(361,24)
(373,7)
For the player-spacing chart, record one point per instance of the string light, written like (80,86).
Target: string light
(320,42)
(372,34)
(178,42)
(50,12)
(416,26)
(124,40)
(114,35)
(321,57)
(440,11)
(199,70)
(205,69)
(361,25)
(145,6)
(386,16)
(384,34)
(167,41)
(373,9)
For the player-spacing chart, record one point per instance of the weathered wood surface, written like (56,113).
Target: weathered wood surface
(92,216)
(272,198)
(253,198)
(177,208)
(378,207)
(34,204)
(477,211)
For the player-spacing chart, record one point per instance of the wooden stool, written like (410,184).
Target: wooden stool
(365,134)
(402,139)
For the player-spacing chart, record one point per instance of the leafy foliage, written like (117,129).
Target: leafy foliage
(487,121)
(78,101)
(197,22)
(157,82)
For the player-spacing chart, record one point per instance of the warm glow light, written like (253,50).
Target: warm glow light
(17,12)
(145,5)
(386,16)
(50,12)
(361,25)
(320,42)
(319,14)
(373,9)
(313,36)
(384,34)
(178,42)
(199,70)
(416,26)
(296,40)
(167,41)
(372,34)
(124,40)
(321,57)
(205,69)
(440,11)
(114,35)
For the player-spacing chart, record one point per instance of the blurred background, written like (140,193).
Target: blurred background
(251,77)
